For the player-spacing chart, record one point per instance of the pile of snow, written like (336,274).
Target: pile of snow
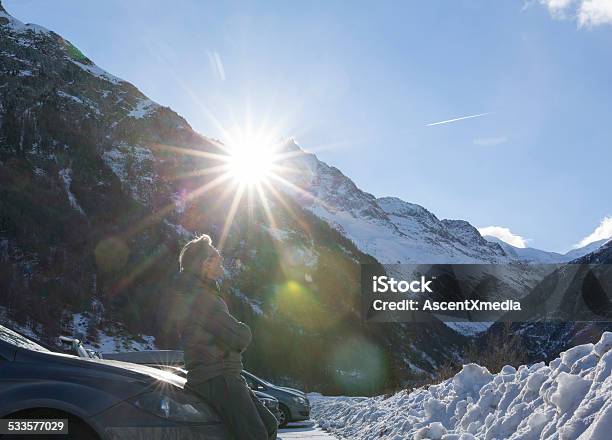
(571,398)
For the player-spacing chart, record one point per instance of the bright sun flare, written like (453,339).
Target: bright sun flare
(250,162)
(251,157)
(260,163)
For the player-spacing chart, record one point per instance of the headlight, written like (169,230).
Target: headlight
(300,400)
(269,402)
(179,407)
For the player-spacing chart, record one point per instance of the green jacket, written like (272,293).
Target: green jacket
(212,339)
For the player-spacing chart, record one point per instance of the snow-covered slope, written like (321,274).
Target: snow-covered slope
(538,256)
(588,249)
(389,229)
(529,255)
(570,398)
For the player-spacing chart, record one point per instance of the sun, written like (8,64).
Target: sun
(250,162)
(251,158)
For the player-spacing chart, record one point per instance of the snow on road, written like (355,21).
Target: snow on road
(568,399)
(304,430)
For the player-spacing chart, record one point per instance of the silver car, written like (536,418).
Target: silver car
(293,404)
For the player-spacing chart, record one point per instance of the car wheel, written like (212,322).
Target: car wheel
(285,416)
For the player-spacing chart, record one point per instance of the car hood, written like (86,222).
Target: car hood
(151,372)
(262,395)
(142,372)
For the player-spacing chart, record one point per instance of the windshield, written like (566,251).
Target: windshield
(18,340)
(259,379)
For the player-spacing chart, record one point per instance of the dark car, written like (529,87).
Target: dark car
(167,360)
(271,403)
(101,399)
(293,404)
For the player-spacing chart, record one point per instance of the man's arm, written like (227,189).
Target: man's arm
(226,329)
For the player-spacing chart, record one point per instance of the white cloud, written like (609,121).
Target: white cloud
(504,234)
(558,8)
(595,12)
(603,231)
(490,141)
(588,13)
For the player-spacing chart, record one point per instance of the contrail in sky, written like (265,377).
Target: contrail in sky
(458,119)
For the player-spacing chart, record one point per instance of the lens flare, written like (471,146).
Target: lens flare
(358,366)
(251,155)
(250,163)
(298,305)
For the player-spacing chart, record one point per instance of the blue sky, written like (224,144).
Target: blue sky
(359,82)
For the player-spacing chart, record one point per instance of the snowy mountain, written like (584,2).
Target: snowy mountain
(568,398)
(537,256)
(601,255)
(585,250)
(528,255)
(389,229)
(395,231)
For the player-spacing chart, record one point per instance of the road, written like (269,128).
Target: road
(304,430)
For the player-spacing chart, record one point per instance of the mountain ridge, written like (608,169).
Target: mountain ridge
(534,255)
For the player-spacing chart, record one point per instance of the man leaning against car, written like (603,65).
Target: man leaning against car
(213,342)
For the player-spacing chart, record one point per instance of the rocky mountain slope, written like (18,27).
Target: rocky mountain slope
(545,340)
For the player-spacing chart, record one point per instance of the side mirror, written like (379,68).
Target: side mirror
(66,340)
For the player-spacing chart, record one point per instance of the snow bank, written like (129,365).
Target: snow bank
(571,398)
